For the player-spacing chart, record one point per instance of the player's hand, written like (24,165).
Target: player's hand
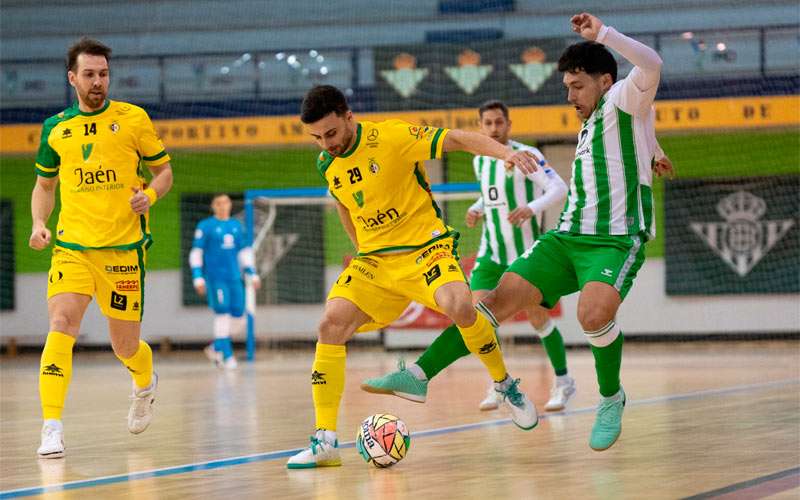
(525,161)
(520,215)
(586,25)
(140,203)
(256,281)
(40,238)
(200,286)
(472,218)
(663,167)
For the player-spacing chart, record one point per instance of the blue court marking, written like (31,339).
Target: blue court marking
(274,455)
(751,483)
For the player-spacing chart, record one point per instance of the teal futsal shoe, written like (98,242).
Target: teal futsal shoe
(608,423)
(401,383)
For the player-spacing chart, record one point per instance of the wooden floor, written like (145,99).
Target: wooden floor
(717,418)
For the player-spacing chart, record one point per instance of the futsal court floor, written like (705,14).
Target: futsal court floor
(703,420)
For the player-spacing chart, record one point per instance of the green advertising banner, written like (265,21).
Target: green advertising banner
(733,236)
(444,75)
(7,264)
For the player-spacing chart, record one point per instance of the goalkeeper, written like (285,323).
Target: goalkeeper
(220,258)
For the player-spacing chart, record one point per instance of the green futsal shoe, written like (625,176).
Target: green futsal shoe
(608,423)
(401,383)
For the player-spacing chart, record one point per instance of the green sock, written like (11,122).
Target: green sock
(554,347)
(607,362)
(444,351)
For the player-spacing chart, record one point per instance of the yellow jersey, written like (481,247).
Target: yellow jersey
(382,182)
(98,157)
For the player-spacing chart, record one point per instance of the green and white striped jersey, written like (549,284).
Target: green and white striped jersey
(611,187)
(502,191)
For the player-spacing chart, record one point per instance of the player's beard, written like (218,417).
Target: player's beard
(94,97)
(342,148)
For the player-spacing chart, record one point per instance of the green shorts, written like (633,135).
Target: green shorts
(486,274)
(561,263)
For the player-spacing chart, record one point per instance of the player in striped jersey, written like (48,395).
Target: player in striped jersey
(512,205)
(597,248)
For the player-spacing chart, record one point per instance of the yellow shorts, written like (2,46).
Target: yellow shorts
(114,277)
(384,285)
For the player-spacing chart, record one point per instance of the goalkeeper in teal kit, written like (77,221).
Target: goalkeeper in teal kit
(220,258)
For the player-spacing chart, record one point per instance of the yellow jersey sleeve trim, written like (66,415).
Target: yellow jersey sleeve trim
(437,144)
(156,160)
(43,171)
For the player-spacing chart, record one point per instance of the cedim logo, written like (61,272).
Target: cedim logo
(742,240)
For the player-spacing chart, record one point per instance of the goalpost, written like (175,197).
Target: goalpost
(300,225)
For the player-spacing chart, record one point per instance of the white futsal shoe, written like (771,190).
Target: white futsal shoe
(562,391)
(52,440)
(492,400)
(323,452)
(523,412)
(141,412)
(230,363)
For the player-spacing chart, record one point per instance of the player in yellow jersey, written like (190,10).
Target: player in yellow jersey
(405,251)
(96,149)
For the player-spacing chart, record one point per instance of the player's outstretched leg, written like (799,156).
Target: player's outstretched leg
(412,383)
(55,372)
(563,386)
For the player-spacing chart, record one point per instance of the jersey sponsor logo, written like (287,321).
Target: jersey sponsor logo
(743,239)
(452,268)
(364,271)
(381,220)
(53,370)
(86,149)
(431,249)
(135,307)
(358,196)
(122,269)
(373,134)
(487,348)
(432,274)
(114,127)
(66,133)
(368,261)
(228,241)
(119,301)
(96,180)
(346,282)
(337,183)
(582,148)
(437,257)
(317,378)
(127,285)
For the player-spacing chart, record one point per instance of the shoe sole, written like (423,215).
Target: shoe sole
(488,408)
(314,465)
(410,397)
(55,454)
(609,446)
(527,428)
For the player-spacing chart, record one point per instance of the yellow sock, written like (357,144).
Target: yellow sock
(327,383)
(140,365)
(55,372)
(480,340)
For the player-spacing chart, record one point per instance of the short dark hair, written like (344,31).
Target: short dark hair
(86,46)
(493,104)
(591,57)
(321,101)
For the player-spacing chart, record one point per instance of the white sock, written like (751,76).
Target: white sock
(418,373)
(326,435)
(54,423)
(503,384)
(222,326)
(563,379)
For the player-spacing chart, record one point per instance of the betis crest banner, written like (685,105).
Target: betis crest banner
(441,75)
(733,235)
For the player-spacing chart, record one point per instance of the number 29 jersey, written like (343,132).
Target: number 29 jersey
(382,182)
